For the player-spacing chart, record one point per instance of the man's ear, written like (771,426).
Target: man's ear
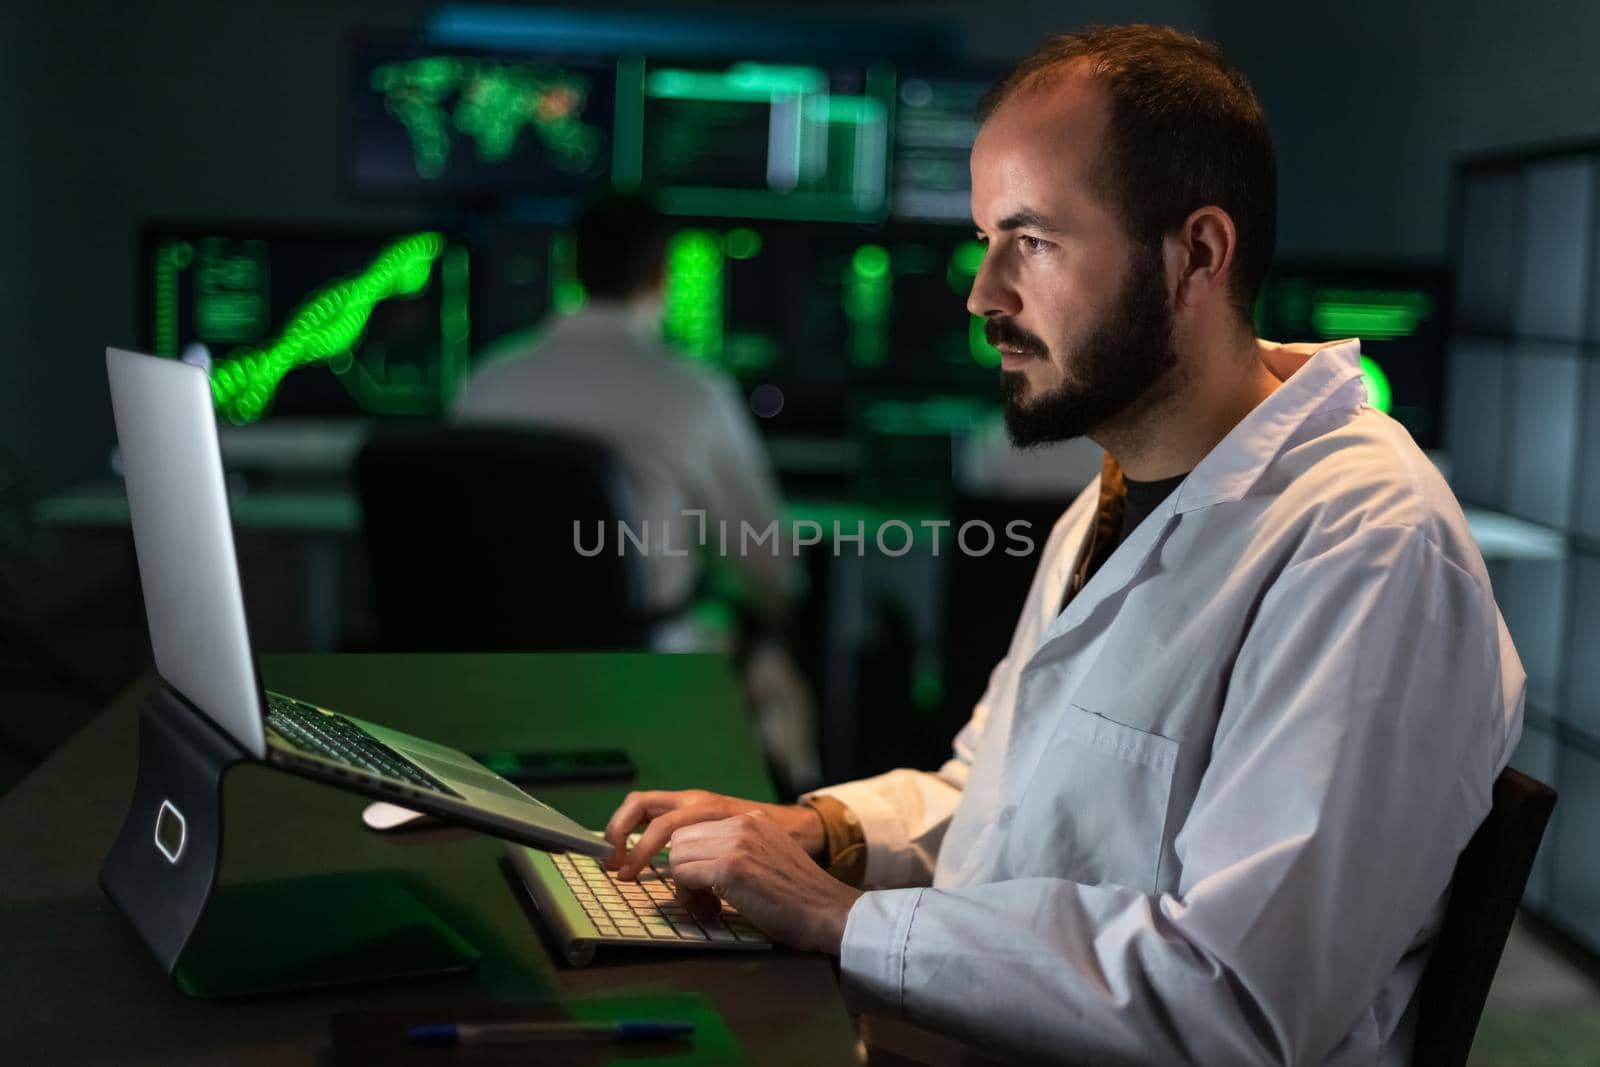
(1205,247)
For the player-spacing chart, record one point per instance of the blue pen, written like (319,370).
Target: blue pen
(442,1035)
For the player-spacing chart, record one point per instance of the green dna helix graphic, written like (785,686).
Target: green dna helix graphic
(329,323)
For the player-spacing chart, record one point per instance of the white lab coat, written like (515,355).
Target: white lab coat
(1208,814)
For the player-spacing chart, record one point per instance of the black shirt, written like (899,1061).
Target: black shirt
(1143,498)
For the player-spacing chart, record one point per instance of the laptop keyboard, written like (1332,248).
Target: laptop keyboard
(337,738)
(646,908)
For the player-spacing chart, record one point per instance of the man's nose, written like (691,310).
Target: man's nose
(992,294)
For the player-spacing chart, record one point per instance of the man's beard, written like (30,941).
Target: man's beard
(1115,367)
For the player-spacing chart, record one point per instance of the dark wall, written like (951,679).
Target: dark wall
(114,113)
(1370,102)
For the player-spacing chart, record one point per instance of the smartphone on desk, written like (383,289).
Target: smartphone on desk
(570,765)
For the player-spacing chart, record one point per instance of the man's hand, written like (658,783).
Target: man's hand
(667,812)
(755,864)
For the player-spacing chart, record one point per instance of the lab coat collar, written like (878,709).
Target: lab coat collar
(1315,377)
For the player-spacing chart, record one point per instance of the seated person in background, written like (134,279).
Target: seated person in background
(683,432)
(1208,809)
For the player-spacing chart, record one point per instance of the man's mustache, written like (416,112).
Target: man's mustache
(1006,332)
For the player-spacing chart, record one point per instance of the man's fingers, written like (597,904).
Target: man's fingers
(712,838)
(655,837)
(635,809)
(701,866)
(694,891)
(696,877)
(693,883)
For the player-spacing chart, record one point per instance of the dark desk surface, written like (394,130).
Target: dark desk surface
(77,985)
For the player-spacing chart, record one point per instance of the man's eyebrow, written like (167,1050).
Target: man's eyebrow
(1029,220)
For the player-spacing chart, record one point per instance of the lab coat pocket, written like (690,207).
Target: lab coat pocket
(1095,810)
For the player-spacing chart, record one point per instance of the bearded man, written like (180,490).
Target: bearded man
(1208,809)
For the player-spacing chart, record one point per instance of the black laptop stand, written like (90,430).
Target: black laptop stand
(162,873)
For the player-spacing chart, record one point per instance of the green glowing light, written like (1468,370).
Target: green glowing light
(331,322)
(740,82)
(170,259)
(627,151)
(567,293)
(455,321)
(860,110)
(1370,314)
(927,686)
(983,353)
(742,243)
(965,260)
(693,294)
(868,296)
(747,352)
(870,261)
(1379,393)
(494,102)
(775,79)
(230,290)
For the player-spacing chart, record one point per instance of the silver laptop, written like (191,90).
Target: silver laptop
(182,534)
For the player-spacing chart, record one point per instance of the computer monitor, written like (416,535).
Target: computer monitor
(522,273)
(1399,313)
(888,302)
(819,317)
(723,303)
(477,124)
(755,139)
(812,320)
(313,322)
(935,123)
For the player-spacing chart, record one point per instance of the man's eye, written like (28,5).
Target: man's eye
(1033,244)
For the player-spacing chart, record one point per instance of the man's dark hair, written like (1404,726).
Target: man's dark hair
(1186,131)
(620,243)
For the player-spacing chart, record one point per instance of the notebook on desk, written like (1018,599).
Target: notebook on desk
(586,907)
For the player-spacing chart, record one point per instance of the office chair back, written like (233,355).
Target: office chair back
(469,533)
(1489,879)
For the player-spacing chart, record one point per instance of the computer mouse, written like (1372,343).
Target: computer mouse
(383,817)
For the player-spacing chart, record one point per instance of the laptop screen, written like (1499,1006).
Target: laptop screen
(178,501)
